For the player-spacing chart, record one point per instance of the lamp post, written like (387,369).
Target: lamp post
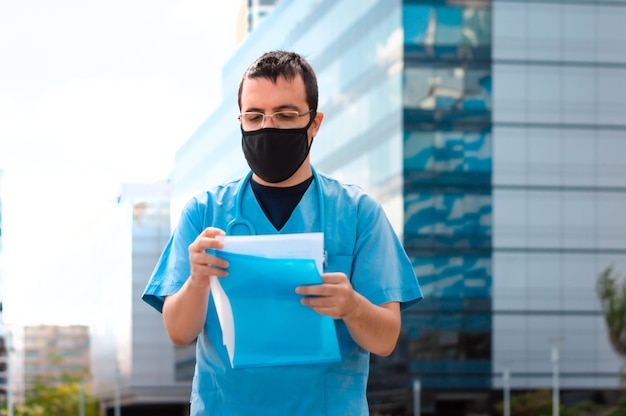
(555,358)
(81,399)
(506,389)
(417,398)
(555,379)
(117,408)
(9,393)
(9,368)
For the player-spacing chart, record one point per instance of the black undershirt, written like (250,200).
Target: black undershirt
(278,203)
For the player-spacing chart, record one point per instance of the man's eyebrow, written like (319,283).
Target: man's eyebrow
(282,107)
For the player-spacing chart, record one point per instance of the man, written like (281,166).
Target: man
(367,279)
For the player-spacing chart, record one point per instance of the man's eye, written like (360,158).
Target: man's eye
(288,116)
(254,118)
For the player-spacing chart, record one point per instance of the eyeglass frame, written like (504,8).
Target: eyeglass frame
(239,117)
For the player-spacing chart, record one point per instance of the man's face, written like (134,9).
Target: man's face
(264,96)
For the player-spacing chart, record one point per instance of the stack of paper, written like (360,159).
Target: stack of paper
(263,322)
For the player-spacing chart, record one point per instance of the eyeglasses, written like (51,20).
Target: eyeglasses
(252,120)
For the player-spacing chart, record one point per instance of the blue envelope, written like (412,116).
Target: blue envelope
(271,326)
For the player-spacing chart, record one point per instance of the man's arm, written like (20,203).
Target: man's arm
(184,312)
(375,328)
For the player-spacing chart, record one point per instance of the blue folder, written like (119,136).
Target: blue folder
(271,326)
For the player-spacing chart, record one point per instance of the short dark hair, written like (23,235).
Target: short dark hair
(272,65)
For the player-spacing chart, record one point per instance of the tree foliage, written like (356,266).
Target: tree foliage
(620,409)
(612,293)
(533,403)
(539,403)
(56,397)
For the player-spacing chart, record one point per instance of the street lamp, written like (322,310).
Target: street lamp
(117,411)
(506,387)
(555,374)
(417,396)
(10,349)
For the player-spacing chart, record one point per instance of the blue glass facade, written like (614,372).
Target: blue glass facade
(492,134)
(447,190)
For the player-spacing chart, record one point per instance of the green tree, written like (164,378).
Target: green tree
(533,403)
(611,290)
(585,408)
(49,396)
(539,403)
(620,409)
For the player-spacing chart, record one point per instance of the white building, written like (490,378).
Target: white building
(133,360)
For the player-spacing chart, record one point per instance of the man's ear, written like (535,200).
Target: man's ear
(317,122)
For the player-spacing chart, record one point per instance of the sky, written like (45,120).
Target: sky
(93,94)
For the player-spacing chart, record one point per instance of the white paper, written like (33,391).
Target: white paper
(293,246)
(224,315)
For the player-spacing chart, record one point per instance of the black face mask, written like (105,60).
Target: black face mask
(274,155)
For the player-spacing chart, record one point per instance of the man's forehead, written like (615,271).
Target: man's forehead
(258,88)
(280,79)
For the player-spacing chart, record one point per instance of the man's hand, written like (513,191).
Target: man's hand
(184,312)
(202,264)
(374,327)
(334,297)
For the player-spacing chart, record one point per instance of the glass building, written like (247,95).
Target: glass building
(255,11)
(54,352)
(133,360)
(493,134)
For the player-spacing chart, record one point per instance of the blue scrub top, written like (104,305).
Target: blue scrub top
(359,242)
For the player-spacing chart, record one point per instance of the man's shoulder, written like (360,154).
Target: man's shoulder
(216,193)
(332,183)
(226,187)
(345,191)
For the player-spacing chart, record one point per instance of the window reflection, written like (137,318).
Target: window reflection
(447,25)
(451,345)
(457,88)
(448,203)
